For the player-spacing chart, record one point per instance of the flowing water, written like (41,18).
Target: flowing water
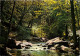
(38,50)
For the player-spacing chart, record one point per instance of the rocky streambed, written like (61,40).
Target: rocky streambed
(53,47)
(38,50)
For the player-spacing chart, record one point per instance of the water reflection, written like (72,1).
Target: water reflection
(38,53)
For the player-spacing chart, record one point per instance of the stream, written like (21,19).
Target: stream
(37,50)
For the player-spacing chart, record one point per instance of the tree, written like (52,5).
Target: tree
(9,29)
(73,23)
(76,8)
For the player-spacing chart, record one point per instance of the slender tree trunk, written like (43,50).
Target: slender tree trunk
(1,11)
(66,32)
(77,16)
(22,14)
(73,23)
(2,4)
(9,29)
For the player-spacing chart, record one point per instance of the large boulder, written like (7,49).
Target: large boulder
(27,43)
(11,43)
(23,44)
(18,44)
(57,40)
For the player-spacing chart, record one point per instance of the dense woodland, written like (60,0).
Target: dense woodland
(23,20)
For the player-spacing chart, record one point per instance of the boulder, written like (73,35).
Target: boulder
(23,44)
(18,42)
(11,43)
(53,42)
(43,39)
(18,46)
(27,43)
(57,39)
(67,49)
(52,48)
(44,45)
(27,47)
(65,43)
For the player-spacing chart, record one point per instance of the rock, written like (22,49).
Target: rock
(53,42)
(60,50)
(11,43)
(49,46)
(44,46)
(71,45)
(65,43)
(67,49)
(18,42)
(43,39)
(18,46)
(52,48)
(27,47)
(38,45)
(57,45)
(57,39)
(27,43)
(23,44)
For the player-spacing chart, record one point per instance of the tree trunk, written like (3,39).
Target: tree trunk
(77,16)
(2,4)
(73,23)
(22,15)
(66,32)
(9,29)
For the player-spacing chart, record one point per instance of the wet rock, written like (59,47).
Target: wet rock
(18,42)
(67,49)
(27,43)
(49,46)
(65,43)
(44,46)
(38,45)
(52,48)
(53,42)
(23,44)
(43,39)
(27,47)
(18,46)
(57,39)
(11,43)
